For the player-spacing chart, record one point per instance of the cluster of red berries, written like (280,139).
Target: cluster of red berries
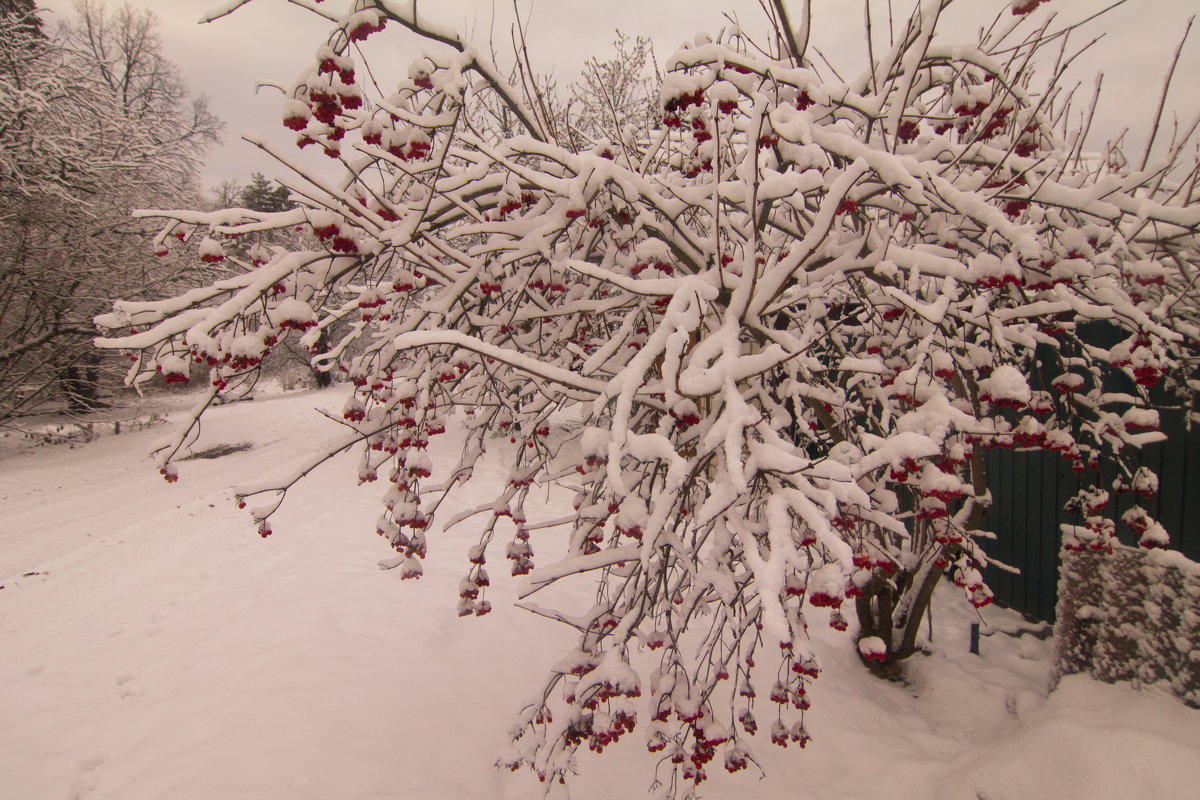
(686,420)
(520,552)
(417,150)
(998,281)
(1014,208)
(1020,7)
(297,325)
(824,600)
(901,471)
(677,105)
(642,266)
(781,734)
(907,130)
(342,66)
(365,28)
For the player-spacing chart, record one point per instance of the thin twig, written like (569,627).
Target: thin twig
(1162,98)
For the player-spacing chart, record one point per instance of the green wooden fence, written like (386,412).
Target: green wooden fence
(1030,488)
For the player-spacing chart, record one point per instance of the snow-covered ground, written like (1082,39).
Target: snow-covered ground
(152,647)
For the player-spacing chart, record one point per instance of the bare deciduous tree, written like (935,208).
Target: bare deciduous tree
(96,123)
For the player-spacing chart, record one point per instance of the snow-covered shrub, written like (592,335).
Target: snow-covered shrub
(792,313)
(1133,615)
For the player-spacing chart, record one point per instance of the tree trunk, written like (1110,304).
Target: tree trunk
(79,382)
(323,379)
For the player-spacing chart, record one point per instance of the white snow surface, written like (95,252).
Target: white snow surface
(152,647)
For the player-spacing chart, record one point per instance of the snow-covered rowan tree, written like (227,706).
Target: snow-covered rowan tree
(94,122)
(792,314)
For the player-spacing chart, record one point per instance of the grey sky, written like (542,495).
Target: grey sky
(274,41)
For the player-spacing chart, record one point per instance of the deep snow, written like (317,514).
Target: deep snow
(152,647)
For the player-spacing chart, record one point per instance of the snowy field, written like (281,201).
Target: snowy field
(152,647)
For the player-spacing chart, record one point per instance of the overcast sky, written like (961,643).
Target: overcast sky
(271,40)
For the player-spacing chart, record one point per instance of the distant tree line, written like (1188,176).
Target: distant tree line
(95,122)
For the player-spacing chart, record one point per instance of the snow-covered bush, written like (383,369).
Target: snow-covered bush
(792,314)
(1133,615)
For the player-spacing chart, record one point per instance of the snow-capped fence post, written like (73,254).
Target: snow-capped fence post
(1131,616)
